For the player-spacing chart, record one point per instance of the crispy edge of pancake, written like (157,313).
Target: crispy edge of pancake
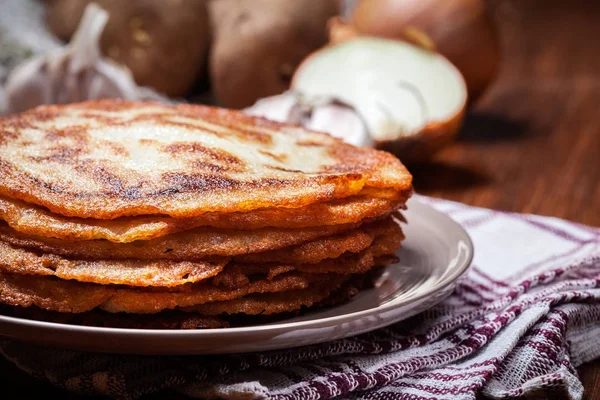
(333,246)
(161,273)
(272,303)
(238,275)
(195,244)
(253,310)
(50,293)
(281,304)
(378,171)
(33,220)
(98,318)
(176,275)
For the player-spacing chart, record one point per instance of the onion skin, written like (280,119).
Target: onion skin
(339,30)
(460,29)
(422,146)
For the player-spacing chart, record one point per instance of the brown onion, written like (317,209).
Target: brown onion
(460,30)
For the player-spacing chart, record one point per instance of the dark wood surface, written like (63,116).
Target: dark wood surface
(531,144)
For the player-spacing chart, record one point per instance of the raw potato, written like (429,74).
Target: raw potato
(259,43)
(63,16)
(163,42)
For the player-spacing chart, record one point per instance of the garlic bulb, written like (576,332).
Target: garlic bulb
(75,73)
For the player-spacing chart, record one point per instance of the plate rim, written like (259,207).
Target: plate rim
(274,327)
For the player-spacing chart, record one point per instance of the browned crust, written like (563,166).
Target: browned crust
(53,294)
(386,235)
(183,193)
(29,219)
(263,245)
(353,257)
(271,303)
(250,310)
(190,245)
(163,320)
(237,280)
(154,273)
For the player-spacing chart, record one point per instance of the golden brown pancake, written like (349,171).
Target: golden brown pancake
(386,234)
(316,250)
(109,159)
(263,245)
(189,245)
(237,275)
(137,208)
(174,274)
(163,320)
(252,309)
(271,303)
(30,219)
(349,263)
(159,273)
(50,293)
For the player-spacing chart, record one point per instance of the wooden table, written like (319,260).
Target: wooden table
(532,144)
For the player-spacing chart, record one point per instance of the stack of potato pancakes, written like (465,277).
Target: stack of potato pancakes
(139,214)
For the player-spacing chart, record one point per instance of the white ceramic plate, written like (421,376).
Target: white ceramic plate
(436,252)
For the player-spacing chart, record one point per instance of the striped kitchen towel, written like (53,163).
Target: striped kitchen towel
(519,322)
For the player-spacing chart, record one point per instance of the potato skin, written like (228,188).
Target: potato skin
(163,42)
(62,16)
(259,43)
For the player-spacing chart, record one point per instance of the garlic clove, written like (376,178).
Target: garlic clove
(277,108)
(340,121)
(75,73)
(324,114)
